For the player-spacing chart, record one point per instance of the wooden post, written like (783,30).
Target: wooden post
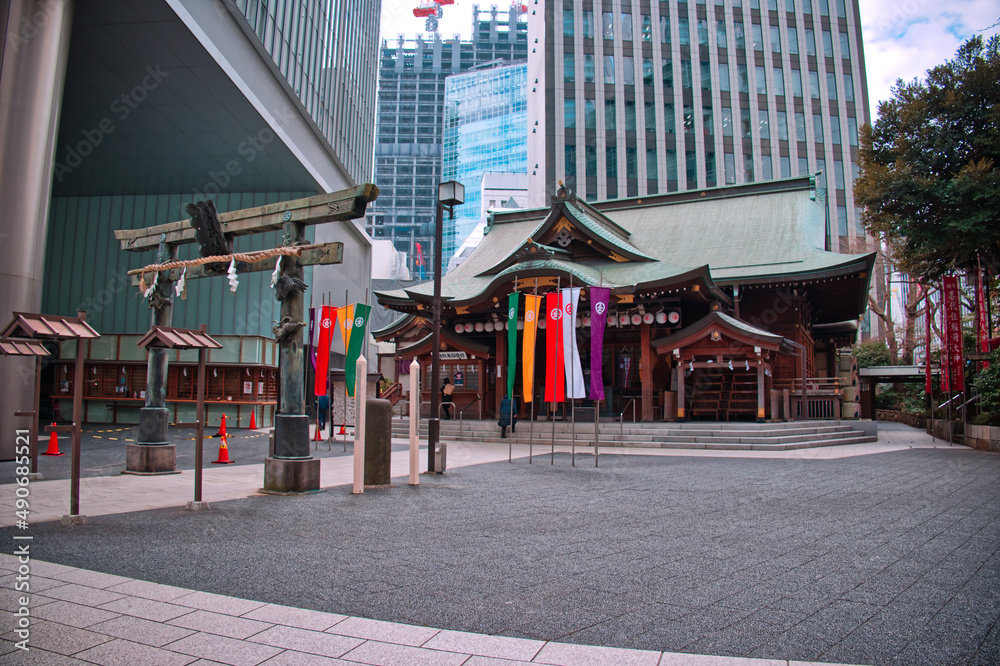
(74,491)
(646,373)
(680,388)
(760,390)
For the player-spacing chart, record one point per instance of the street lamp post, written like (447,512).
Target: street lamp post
(450,194)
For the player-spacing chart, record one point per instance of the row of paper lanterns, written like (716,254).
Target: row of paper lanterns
(673,317)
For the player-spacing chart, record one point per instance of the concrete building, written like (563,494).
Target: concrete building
(410,132)
(636,98)
(115,114)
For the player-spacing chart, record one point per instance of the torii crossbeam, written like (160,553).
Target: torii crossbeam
(292,469)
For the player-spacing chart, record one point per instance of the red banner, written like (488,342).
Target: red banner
(927,344)
(555,377)
(953,324)
(326,324)
(984,332)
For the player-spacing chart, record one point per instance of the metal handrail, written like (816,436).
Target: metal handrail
(953,398)
(461,414)
(441,406)
(621,419)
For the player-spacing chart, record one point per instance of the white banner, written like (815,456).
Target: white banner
(571,354)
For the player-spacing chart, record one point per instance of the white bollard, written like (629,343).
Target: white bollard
(414,422)
(360,395)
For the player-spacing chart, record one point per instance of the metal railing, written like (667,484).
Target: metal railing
(461,414)
(621,419)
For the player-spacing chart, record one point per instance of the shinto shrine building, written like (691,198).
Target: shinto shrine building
(718,297)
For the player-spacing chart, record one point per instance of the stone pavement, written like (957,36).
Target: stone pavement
(874,553)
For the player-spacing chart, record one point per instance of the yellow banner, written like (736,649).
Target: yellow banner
(531,304)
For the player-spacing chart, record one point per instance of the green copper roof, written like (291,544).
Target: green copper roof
(737,235)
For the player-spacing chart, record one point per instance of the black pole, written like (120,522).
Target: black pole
(434,423)
(199,438)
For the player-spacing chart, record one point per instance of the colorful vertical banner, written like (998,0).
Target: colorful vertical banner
(555,378)
(327,318)
(945,384)
(571,353)
(927,345)
(345,316)
(310,357)
(984,332)
(513,304)
(953,323)
(531,304)
(357,325)
(599,297)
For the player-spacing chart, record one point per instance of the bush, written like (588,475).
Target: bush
(987,386)
(872,353)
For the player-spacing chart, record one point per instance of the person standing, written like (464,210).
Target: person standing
(508,416)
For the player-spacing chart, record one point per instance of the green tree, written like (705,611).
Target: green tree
(930,166)
(873,353)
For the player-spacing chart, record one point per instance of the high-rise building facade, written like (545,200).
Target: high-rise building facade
(485,130)
(115,115)
(410,129)
(637,97)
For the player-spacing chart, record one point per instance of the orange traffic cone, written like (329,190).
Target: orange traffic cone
(53,449)
(317,436)
(223,453)
(253,419)
(342,431)
(222,428)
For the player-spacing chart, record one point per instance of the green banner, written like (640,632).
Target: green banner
(512,306)
(357,326)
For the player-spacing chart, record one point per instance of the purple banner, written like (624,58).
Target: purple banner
(599,297)
(310,352)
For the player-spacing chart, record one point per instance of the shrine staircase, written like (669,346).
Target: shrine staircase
(691,435)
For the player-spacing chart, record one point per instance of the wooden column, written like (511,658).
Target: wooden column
(501,384)
(760,390)
(646,373)
(680,388)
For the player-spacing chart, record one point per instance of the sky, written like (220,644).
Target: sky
(902,38)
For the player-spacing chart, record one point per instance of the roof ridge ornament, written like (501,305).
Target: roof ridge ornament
(563,193)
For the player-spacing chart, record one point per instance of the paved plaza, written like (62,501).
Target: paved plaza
(882,553)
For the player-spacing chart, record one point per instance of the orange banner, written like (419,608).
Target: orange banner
(531,304)
(345,316)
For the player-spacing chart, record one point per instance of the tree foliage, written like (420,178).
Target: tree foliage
(871,354)
(930,165)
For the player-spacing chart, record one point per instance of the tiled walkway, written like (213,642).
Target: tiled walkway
(81,616)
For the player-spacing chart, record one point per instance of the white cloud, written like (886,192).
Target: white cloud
(905,39)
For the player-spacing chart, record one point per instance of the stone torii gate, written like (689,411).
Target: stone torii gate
(292,469)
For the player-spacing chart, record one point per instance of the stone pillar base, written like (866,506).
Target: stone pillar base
(145,459)
(284,476)
(291,436)
(153,424)
(74,519)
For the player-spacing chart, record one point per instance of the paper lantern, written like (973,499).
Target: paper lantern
(661,317)
(623,319)
(674,317)
(636,319)
(541,322)
(612,320)
(647,318)
(480,327)
(469,328)
(489,327)
(459,328)
(586,320)
(520,324)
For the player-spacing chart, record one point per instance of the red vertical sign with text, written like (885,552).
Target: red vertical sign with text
(953,325)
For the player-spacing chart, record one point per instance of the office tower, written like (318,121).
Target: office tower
(642,97)
(410,130)
(485,130)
